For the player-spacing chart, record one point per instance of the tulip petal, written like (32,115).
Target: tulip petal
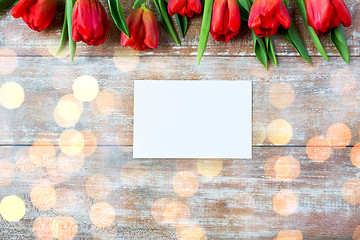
(21,7)
(319,14)
(342,12)
(194,6)
(255,12)
(134,20)
(151,29)
(217,20)
(282,15)
(176,6)
(234,16)
(270,7)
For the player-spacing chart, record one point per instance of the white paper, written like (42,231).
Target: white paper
(192,119)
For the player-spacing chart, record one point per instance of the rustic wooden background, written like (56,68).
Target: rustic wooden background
(102,193)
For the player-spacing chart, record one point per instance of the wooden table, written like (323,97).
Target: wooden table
(294,186)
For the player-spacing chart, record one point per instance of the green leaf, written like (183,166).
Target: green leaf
(293,37)
(311,31)
(270,50)
(244,6)
(7,3)
(338,38)
(138,3)
(205,28)
(162,9)
(182,24)
(118,16)
(64,37)
(260,50)
(68,13)
(286,3)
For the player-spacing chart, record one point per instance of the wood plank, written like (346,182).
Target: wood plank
(18,37)
(322,212)
(323,95)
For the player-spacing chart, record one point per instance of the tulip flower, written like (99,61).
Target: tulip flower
(89,22)
(186,8)
(143,29)
(225,21)
(37,14)
(323,15)
(266,16)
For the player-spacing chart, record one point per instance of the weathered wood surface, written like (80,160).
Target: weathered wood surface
(235,204)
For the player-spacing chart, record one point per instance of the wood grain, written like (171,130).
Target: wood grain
(325,94)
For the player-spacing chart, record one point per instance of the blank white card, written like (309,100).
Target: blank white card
(192,119)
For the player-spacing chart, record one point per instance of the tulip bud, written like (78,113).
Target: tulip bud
(186,8)
(37,14)
(89,22)
(143,29)
(225,21)
(266,16)
(323,15)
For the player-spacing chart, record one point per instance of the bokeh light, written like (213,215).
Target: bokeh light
(318,149)
(68,111)
(158,210)
(258,133)
(71,163)
(71,142)
(355,155)
(66,200)
(287,168)
(43,196)
(351,191)
(190,231)
(7,172)
(185,184)
(8,61)
(12,208)
(11,95)
(42,228)
(209,167)
(126,62)
(102,214)
(85,88)
(56,173)
(279,132)
(42,153)
(285,202)
(242,205)
(23,162)
(342,81)
(133,173)
(90,143)
(98,186)
(356,233)
(289,235)
(108,102)
(64,228)
(269,168)
(175,213)
(282,95)
(339,135)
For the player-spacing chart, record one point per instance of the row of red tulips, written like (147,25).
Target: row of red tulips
(86,20)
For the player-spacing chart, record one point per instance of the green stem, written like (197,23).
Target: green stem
(143,5)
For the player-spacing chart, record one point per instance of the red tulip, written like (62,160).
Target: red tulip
(266,16)
(143,29)
(89,22)
(323,15)
(225,21)
(187,8)
(37,14)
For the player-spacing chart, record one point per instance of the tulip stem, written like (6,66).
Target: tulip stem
(143,5)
